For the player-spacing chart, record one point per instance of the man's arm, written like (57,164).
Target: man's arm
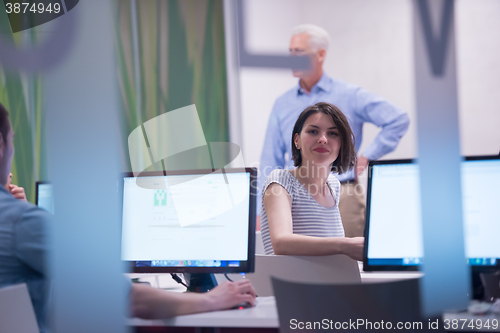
(151,303)
(361,165)
(393,121)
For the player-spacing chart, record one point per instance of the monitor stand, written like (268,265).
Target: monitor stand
(200,282)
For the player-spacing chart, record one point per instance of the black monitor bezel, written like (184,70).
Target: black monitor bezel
(37,185)
(247,267)
(367,267)
(371,267)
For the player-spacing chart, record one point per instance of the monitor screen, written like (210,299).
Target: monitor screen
(394,228)
(44,197)
(189,221)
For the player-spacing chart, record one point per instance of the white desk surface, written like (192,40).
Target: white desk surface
(262,315)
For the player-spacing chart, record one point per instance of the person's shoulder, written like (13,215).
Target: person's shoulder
(12,206)
(355,91)
(33,224)
(333,179)
(334,182)
(33,214)
(290,93)
(19,211)
(279,174)
(31,210)
(282,177)
(285,98)
(344,86)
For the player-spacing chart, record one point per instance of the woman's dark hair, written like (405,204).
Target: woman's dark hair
(347,154)
(4,123)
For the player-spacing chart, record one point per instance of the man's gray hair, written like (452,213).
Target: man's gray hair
(318,37)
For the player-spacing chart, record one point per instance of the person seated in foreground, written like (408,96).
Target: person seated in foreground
(300,211)
(151,303)
(24,246)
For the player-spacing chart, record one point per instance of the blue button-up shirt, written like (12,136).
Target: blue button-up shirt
(23,250)
(358,105)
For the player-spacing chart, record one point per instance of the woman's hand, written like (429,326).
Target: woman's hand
(353,247)
(361,165)
(230,294)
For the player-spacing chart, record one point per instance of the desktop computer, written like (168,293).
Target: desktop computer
(393,232)
(198,221)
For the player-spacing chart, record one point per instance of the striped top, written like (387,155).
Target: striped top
(309,218)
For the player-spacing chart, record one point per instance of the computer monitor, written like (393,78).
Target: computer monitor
(198,221)
(43,196)
(393,232)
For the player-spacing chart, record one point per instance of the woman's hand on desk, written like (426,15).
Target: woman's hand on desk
(230,294)
(353,247)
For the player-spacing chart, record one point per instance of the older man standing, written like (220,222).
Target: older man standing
(357,104)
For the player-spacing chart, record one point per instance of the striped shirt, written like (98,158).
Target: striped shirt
(309,218)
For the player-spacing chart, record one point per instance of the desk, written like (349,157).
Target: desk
(382,276)
(263,315)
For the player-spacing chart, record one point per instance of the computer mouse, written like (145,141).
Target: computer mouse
(243,305)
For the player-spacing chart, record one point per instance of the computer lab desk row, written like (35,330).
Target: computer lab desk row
(264,316)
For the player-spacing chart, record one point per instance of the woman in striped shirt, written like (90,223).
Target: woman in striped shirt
(300,214)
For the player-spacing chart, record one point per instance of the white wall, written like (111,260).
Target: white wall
(372,46)
(478,59)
